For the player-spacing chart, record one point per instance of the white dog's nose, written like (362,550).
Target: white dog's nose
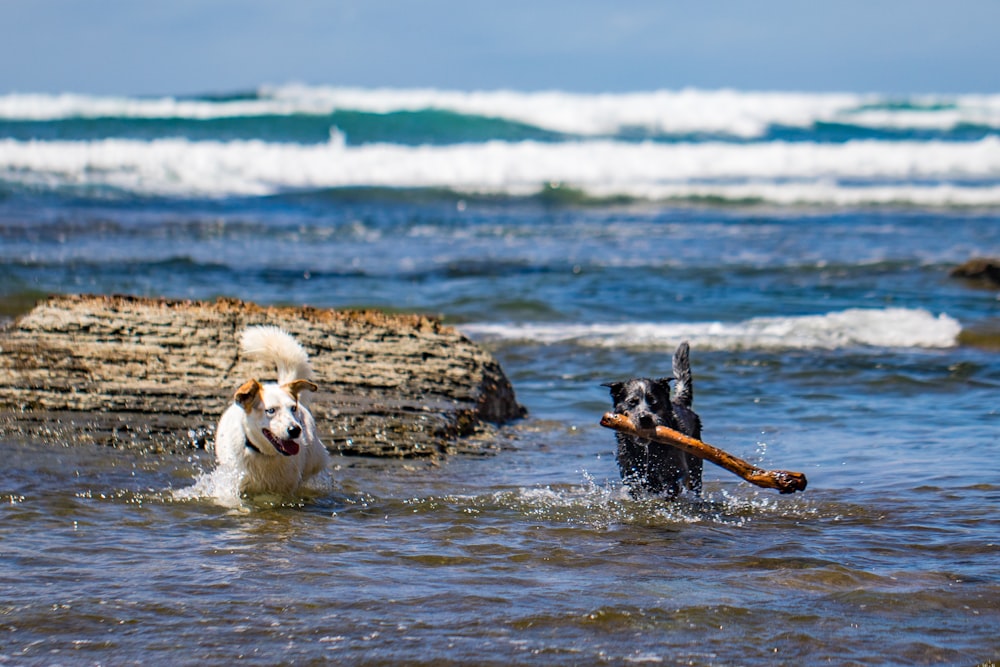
(294,431)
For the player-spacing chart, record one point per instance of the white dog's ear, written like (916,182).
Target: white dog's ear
(247,394)
(296,387)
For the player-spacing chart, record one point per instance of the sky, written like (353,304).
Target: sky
(179,47)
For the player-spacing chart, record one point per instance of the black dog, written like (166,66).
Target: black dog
(649,466)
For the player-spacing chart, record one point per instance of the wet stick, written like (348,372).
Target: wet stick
(782,480)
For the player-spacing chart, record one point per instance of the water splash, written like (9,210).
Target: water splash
(222,486)
(605,505)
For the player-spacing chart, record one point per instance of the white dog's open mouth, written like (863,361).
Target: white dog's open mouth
(286,447)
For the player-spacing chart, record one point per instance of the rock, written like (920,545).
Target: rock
(156,374)
(981,270)
(985,335)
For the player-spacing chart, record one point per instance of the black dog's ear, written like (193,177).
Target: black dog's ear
(665,383)
(617,390)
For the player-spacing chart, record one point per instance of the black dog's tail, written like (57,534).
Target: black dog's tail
(684,389)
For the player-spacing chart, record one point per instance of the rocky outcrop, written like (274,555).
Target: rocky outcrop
(982,271)
(157,374)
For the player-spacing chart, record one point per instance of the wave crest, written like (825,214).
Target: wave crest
(744,114)
(852,328)
(864,172)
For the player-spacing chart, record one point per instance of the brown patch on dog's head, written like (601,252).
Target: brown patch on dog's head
(296,387)
(248,394)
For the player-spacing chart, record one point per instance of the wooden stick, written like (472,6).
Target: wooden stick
(782,480)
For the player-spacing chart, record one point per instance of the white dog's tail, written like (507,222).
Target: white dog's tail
(269,343)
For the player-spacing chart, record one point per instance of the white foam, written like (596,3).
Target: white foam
(924,173)
(668,112)
(736,113)
(856,327)
(42,107)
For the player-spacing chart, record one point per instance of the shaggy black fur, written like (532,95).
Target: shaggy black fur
(652,467)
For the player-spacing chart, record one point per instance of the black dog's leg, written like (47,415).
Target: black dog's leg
(632,463)
(667,470)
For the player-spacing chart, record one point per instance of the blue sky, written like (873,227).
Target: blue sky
(199,46)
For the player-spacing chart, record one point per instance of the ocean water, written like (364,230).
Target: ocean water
(800,242)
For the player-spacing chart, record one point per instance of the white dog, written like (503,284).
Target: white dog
(267,436)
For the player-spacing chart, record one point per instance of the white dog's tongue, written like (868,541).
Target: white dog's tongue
(286,447)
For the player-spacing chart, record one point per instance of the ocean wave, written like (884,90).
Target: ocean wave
(407,128)
(852,328)
(860,172)
(662,113)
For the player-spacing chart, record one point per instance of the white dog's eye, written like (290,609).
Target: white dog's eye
(294,409)
(269,412)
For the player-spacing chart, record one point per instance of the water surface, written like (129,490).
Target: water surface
(800,243)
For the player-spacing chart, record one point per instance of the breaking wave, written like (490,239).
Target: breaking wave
(732,113)
(931,173)
(852,328)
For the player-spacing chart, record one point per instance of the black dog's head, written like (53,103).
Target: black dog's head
(646,402)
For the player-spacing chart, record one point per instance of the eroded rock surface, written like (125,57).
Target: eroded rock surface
(156,374)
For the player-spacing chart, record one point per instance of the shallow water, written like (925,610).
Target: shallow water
(825,339)
(529,557)
(536,555)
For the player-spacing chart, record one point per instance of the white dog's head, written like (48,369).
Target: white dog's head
(273,415)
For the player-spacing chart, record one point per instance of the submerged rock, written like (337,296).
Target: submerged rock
(156,374)
(980,270)
(984,335)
